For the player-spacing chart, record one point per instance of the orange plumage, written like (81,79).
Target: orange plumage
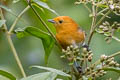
(67,31)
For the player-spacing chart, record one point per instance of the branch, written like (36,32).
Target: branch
(17,19)
(12,47)
(93,30)
(93,19)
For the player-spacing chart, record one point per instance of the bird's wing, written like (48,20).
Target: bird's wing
(80,29)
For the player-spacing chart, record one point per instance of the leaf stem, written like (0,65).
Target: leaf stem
(12,47)
(17,19)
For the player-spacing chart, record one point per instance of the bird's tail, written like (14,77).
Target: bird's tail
(77,67)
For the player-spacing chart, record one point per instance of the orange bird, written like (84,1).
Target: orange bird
(68,31)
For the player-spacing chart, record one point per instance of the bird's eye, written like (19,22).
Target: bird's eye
(60,21)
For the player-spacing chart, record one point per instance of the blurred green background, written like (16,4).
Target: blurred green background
(30,49)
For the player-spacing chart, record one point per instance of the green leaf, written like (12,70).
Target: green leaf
(37,32)
(15,1)
(44,5)
(44,0)
(20,33)
(119,78)
(84,78)
(3,78)
(39,7)
(53,70)
(41,76)
(47,40)
(5,8)
(112,69)
(59,79)
(8,10)
(7,75)
(2,22)
(102,5)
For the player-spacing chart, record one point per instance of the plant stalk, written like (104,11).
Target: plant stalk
(12,47)
(94,10)
(17,19)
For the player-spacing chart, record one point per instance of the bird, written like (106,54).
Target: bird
(68,32)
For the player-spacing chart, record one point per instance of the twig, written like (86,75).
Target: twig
(102,19)
(113,55)
(102,11)
(45,25)
(91,34)
(12,47)
(17,19)
(93,19)
(87,8)
(113,37)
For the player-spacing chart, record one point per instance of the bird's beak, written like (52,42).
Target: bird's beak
(51,20)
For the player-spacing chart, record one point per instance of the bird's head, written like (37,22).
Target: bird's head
(63,23)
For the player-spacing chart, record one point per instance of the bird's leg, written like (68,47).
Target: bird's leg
(86,46)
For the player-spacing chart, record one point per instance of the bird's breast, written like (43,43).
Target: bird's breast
(67,38)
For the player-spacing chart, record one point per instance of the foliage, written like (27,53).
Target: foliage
(39,4)
(2,22)
(41,76)
(15,1)
(80,62)
(47,40)
(53,70)
(6,8)
(106,63)
(51,75)
(7,75)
